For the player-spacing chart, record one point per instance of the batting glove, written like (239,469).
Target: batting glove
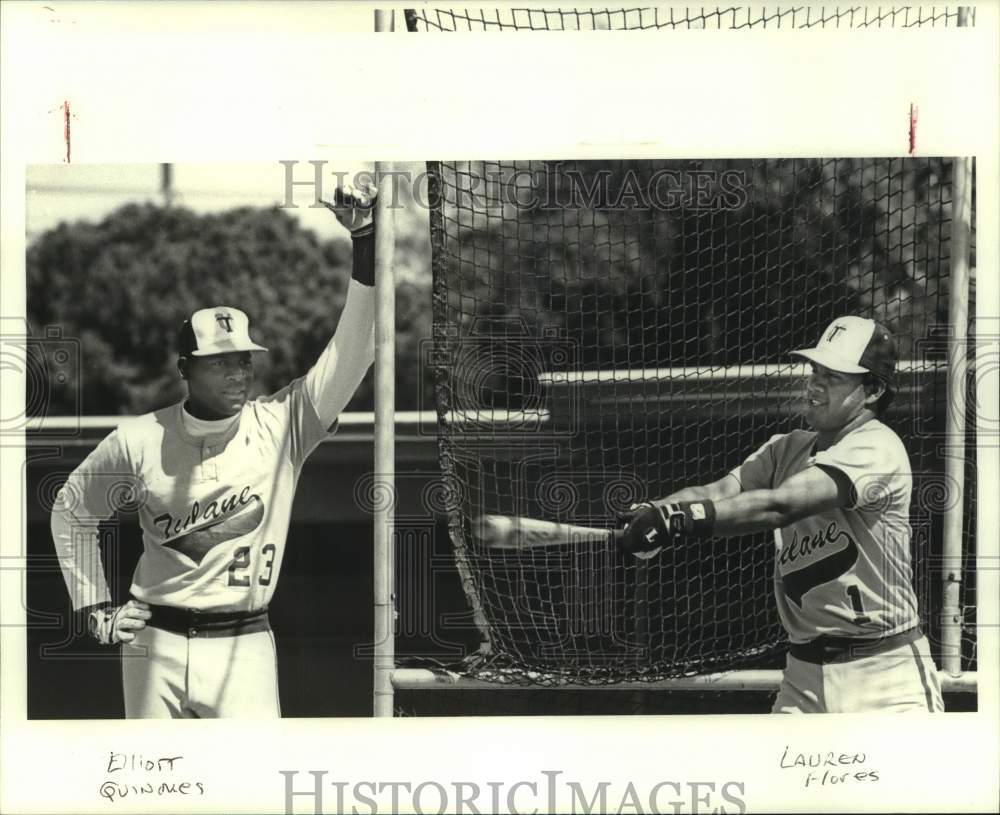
(646,531)
(114,624)
(354,208)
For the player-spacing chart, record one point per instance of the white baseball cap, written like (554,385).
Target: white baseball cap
(855,345)
(216,330)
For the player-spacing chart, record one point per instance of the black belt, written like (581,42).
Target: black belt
(193,623)
(824,650)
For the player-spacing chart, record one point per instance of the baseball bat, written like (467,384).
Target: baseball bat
(516,533)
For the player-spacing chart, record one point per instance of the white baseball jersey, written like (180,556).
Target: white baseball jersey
(214,509)
(846,572)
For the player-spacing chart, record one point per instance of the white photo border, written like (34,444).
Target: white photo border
(190,82)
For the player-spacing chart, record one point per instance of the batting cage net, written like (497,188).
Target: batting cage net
(657,17)
(610,331)
(607,332)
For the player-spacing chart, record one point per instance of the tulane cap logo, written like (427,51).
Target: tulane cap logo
(216,330)
(855,345)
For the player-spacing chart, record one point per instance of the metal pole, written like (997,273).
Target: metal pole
(385,398)
(385,441)
(955,407)
(751,680)
(385,20)
(167,184)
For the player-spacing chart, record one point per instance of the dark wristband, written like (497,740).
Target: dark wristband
(699,518)
(364,258)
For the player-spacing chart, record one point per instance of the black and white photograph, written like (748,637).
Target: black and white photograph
(614,439)
(666,421)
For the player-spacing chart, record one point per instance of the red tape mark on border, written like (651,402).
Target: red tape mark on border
(66,116)
(913,127)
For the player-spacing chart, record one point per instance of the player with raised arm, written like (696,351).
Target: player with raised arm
(213,477)
(838,498)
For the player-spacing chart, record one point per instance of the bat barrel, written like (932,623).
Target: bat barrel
(505,532)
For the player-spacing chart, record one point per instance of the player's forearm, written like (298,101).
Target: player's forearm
(810,492)
(749,512)
(699,493)
(76,545)
(682,520)
(335,377)
(725,487)
(356,329)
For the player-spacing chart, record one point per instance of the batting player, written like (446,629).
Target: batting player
(838,499)
(214,477)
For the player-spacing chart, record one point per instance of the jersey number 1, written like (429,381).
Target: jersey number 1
(241,562)
(859,610)
(826,570)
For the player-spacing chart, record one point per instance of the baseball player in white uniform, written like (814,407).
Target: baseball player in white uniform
(838,499)
(213,477)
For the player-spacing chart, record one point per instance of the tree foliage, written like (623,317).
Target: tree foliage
(626,281)
(718,262)
(121,288)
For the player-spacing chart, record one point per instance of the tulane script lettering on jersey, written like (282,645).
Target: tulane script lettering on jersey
(214,510)
(846,572)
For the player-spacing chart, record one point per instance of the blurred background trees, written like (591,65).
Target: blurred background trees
(731,272)
(722,262)
(123,286)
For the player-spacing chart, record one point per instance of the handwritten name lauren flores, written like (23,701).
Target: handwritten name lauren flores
(139,776)
(827,769)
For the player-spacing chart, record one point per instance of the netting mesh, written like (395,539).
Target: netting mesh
(657,17)
(611,331)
